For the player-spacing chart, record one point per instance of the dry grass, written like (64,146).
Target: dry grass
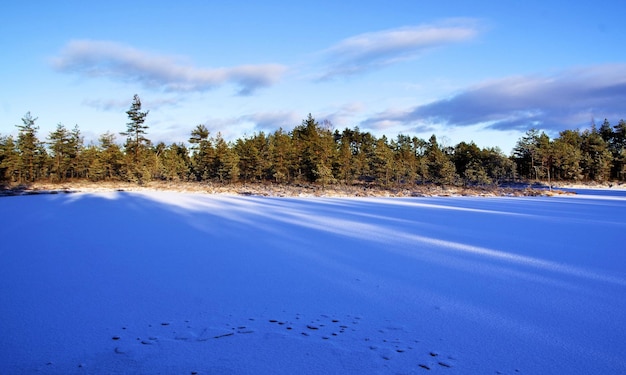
(279,190)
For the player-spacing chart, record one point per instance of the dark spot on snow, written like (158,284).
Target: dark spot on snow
(165,324)
(424,367)
(224,335)
(433,354)
(312,327)
(443,364)
(115,337)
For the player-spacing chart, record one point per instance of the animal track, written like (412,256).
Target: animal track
(386,342)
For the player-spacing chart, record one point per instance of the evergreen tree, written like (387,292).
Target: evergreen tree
(137,164)
(344,165)
(567,157)
(78,165)
(525,154)
(316,148)
(60,145)
(249,159)
(468,156)
(203,156)
(9,159)
(405,159)
(619,147)
(226,164)
(281,156)
(171,162)
(108,164)
(596,158)
(383,161)
(31,151)
(440,168)
(136,130)
(498,167)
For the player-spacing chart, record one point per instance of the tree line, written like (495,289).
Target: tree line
(311,153)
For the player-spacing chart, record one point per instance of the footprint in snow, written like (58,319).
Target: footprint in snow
(387,340)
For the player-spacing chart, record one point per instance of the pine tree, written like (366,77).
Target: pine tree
(596,158)
(60,145)
(316,148)
(9,159)
(344,166)
(203,153)
(440,168)
(249,158)
(525,154)
(108,165)
(383,161)
(137,163)
(620,150)
(31,151)
(136,129)
(281,155)
(226,161)
(405,159)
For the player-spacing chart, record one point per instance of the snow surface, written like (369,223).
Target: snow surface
(172,283)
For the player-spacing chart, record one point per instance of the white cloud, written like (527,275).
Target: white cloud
(272,121)
(367,51)
(94,58)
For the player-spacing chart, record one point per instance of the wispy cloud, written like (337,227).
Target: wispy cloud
(368,51)
(272,121)
(94,58)
(123,104)
(551,102)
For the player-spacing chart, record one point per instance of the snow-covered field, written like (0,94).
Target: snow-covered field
(172,283)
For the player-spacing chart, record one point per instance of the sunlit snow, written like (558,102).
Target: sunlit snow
(174,283)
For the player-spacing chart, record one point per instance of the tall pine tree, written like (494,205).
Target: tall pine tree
(136,130)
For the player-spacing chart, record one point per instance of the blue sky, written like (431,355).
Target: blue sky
(477,71)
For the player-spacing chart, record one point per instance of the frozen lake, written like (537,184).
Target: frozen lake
(163,282)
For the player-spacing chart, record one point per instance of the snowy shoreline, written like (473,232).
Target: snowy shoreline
(303,190)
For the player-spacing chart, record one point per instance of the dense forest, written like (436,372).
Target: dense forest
(311,153)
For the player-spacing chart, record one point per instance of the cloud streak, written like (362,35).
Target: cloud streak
(368,51)
(568,99)
(121,62)
(272,121)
